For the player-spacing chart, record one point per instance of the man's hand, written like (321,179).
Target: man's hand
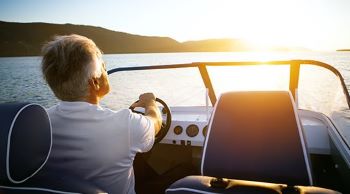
(148,101)
(145,99)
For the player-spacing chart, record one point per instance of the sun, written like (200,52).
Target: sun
(265,27)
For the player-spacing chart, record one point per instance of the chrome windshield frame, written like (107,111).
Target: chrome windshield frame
(202,67)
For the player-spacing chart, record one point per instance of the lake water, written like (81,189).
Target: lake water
(21,78)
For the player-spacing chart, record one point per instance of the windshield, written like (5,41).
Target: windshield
(320,90)
(249,78)
(177,87)
(315,86)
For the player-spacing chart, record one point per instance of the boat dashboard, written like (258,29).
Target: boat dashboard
(189,126)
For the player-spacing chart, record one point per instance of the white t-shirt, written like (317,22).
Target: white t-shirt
(99,144)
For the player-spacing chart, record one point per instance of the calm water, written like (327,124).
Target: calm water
(21,79)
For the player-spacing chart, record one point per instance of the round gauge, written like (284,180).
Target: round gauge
(178,130)
(192,130)
(205,130)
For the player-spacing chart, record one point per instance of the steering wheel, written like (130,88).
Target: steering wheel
(165,125)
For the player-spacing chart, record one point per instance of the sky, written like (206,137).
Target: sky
(313,24)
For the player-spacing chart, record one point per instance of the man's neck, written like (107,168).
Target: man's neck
(93,100)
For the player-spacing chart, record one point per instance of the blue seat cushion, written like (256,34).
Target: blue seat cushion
(256,136)
(25,140)
(48,181)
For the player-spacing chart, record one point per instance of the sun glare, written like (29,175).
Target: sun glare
(249,78)
(266,27)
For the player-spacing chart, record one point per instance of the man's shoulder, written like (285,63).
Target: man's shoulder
(121,115)
(87,110)
(121,112)
(52,109)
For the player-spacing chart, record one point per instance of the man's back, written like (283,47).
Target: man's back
(98,144)
(93,143)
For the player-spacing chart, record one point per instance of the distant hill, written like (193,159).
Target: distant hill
(214,45)
(26,39)
(343,50)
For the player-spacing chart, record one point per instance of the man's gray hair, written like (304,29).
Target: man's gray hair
(68,64)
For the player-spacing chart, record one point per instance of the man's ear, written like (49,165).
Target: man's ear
(94,84)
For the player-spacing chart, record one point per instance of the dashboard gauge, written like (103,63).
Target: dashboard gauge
(178,130)
(205,130)
(192,130)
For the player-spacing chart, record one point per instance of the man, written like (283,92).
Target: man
(94,143)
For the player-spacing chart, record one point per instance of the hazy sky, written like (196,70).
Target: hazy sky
(315,24)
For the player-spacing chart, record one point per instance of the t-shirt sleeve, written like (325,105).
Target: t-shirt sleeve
(142,132)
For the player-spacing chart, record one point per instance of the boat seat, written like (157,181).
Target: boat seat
(25,145)
(204,184)
(253,136)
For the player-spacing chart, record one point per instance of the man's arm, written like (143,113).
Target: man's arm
(148,102)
